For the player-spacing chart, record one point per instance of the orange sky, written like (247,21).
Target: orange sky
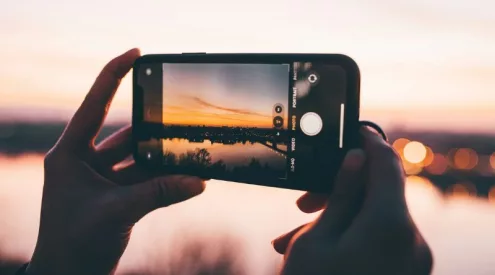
(213,119)
(187,117)
(236,95)
(436,57)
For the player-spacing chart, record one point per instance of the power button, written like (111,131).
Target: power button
(194,53)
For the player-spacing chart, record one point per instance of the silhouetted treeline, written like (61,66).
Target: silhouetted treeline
(226,135)
(199,162)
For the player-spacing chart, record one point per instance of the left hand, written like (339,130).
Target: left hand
(89,208)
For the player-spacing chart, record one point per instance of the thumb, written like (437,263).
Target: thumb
(345,198)
(386,175)
(141,199)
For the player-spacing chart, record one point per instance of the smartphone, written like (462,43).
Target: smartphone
(278,120)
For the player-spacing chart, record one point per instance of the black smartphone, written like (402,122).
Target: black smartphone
(278,120)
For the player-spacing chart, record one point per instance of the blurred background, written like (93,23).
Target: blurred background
(427,70)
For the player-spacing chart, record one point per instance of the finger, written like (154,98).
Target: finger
(281,243)
(346,197)
(385,173)
(132,174)
(424,259)
(140,199)
(115,148)
(87,120)
(311,202)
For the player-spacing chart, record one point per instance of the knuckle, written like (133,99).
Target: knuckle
(387,151)
(50,159)
(56,158)
(387,158)
(166,193)
(162,191)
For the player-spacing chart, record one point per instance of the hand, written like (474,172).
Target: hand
(89,207)
(365,227)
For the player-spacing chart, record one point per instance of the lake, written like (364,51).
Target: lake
(460,229)
(237,154)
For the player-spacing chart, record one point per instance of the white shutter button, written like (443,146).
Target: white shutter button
(311,124)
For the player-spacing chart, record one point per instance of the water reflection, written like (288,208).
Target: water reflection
(452,225)
(238,154)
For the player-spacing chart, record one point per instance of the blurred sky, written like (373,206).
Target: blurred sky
(424,64)
(236,95)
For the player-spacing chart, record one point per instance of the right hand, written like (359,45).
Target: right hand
(374,235)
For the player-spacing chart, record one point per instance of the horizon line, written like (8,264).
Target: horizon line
(392,128)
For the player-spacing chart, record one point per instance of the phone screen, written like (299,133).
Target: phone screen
(278,125)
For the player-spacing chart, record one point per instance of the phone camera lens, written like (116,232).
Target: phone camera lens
(312,78)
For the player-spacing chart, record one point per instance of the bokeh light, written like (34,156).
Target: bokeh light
(429,157)
(439,165)
(465,159)
(492,161)
(399,144)
(491,195)
(484,168)
(462,189)
(412,168)
(421,181)
(415,152)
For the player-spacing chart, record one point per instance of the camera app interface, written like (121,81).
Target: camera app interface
(269,124)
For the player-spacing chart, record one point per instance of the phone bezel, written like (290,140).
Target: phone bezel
(352,110)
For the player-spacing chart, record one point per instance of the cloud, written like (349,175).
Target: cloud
(232,110)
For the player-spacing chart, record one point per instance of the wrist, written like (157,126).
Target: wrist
(49,262)
(53,263)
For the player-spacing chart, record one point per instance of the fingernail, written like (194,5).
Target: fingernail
(354,159)
(277,248)
(301,198)
(134,51)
